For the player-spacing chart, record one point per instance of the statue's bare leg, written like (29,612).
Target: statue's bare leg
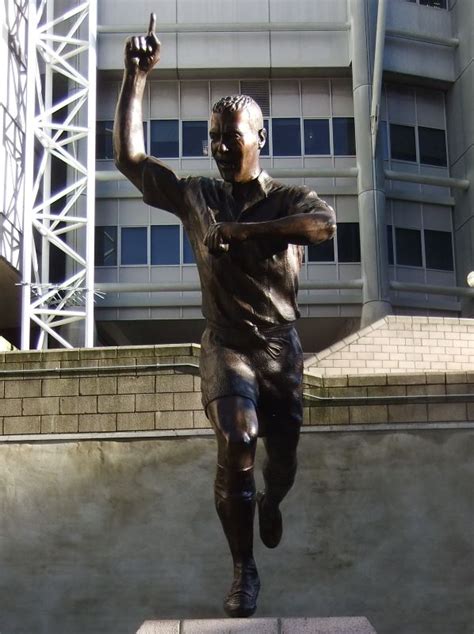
(235,422)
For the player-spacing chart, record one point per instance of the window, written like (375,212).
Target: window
(164,137)
(438,250)
(104,147)
(103,142)
(348,242)
(316,136)
(384,139)
(106,246)
(286,137)
(265,151)
(402,142)
(195,138)
(323,252)
(408,247)
(343,136)
(438,4)
(134,245)
(165,244)
(390,244)
(432,146)
(188,253)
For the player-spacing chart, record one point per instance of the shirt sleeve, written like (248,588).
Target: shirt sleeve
(306,201)
(162,188)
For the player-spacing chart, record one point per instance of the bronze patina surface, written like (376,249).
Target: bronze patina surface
(248,233)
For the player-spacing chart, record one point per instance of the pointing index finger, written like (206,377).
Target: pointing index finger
(152,25)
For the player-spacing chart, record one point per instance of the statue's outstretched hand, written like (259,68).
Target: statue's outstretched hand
(143,52)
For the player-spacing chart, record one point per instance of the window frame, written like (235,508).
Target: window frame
(206,138)
(329,132)
(161,227)
(178,140)
(147,242)
(96,242)
(334,153)
(301,140)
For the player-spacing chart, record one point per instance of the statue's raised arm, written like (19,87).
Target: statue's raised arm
(142,53)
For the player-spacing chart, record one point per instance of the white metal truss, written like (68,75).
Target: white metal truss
(60,137)
(12,128)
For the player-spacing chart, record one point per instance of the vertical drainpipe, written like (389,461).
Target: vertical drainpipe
(370,181)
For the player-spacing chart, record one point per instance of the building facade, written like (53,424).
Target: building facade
(369,103)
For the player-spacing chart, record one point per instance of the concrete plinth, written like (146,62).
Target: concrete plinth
(340,625)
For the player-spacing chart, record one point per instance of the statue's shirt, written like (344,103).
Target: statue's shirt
(254,284)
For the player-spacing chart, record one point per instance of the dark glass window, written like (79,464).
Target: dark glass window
(316,136)
(402,142)
(104,147)
(390,244)
(432,146)
(265,151)
(165,244)
(134,245)
(106,246)
(408,247)
(323,252)
(348,242)
(195,138)
(439,4)
(439,250)
(286,137)
(103,141)
(188,253)
(164,137)
(145,137)
(384,139)
(343,136)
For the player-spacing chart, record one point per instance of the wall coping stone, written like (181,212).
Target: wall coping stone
(337,625)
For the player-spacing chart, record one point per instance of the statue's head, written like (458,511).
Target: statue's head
(237,136)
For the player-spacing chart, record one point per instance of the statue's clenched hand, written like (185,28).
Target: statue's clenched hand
(221,234)
(143,52)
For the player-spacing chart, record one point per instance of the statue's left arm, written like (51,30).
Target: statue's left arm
(310,227)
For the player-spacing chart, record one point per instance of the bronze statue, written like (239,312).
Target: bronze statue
(247,232)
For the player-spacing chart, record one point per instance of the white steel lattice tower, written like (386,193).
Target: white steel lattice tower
(12,130)
(59,173)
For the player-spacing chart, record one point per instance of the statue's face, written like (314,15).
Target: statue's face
(236,141)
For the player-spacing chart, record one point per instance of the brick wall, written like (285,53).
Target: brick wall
(399,344)
(100,390)
(426,397)
(157,388)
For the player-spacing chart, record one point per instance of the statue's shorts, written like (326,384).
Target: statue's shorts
(232,365)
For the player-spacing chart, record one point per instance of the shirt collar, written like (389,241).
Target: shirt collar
(261,187)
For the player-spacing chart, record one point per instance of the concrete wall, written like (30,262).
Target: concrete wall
(106,512)
(410,57)
(189,53)
(99,536)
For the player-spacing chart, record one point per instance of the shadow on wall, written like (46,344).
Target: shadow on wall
(98,537)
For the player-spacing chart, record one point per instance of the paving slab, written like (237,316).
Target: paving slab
(337,625)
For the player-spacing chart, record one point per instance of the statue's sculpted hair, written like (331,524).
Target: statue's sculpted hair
(237,103)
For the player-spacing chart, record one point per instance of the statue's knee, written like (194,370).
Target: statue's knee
(242,438)
(240,448)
